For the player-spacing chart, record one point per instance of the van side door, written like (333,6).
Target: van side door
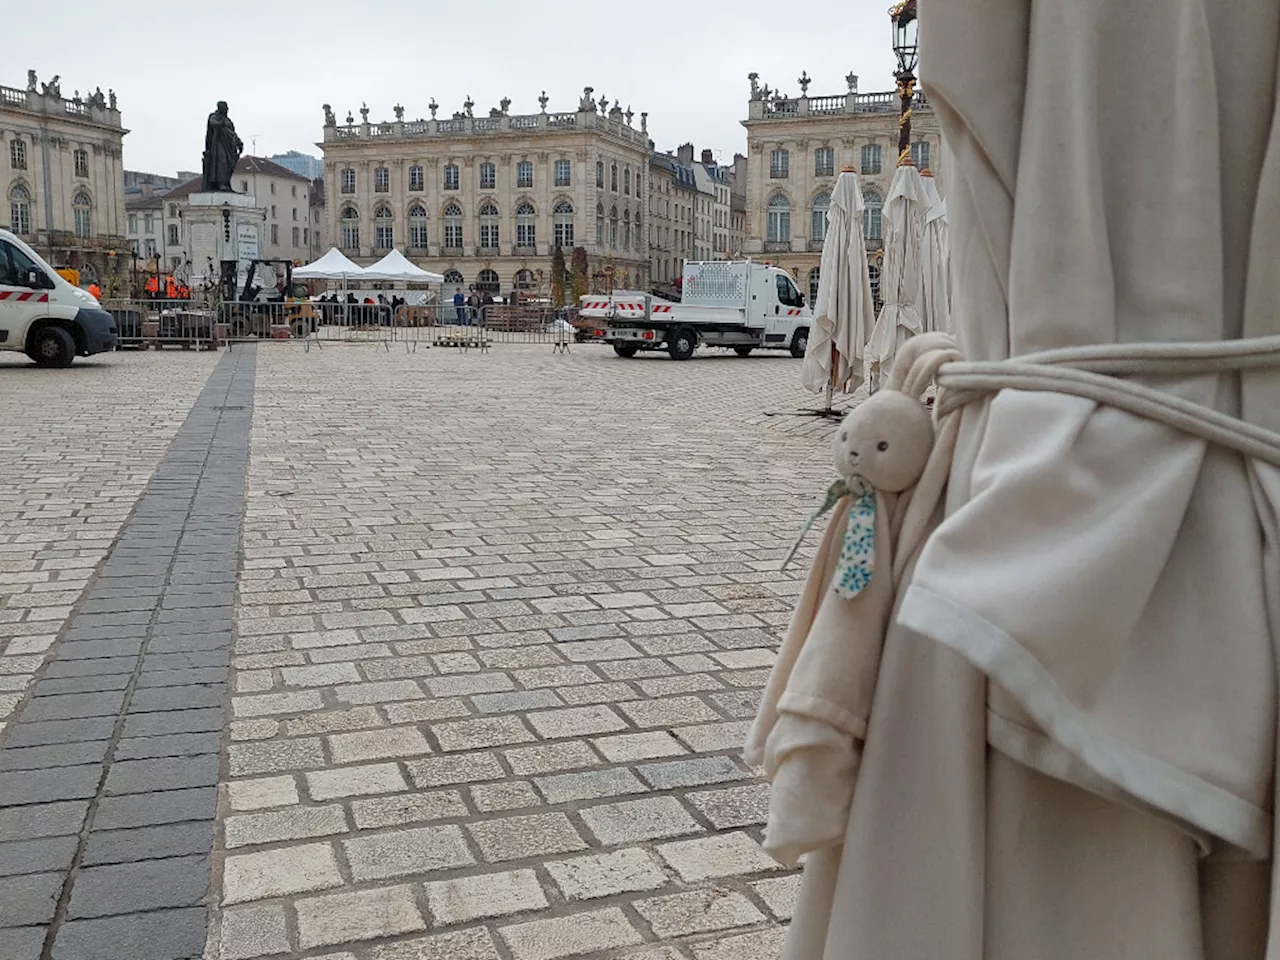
(21,300)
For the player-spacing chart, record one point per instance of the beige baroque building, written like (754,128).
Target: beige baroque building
(797,147)
(484,200)
(63,177)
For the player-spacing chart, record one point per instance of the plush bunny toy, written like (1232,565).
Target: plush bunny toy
(882,445)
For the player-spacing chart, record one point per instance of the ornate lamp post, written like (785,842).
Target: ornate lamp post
(906,45)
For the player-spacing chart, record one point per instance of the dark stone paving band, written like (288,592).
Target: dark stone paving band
(109,773)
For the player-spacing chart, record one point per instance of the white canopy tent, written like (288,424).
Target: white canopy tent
(395,267)
(332,266)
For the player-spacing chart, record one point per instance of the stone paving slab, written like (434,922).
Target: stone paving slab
(501,624)
(125,872)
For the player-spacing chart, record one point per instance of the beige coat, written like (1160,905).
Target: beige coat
(1070,753)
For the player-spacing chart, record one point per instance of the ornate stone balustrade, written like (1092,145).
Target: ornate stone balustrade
(96,109)
(493,126)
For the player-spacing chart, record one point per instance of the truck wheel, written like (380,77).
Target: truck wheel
(682,344)
(52,347)
(800,343)
(626,349)
(743,351)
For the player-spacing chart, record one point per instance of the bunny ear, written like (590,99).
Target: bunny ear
(918,361)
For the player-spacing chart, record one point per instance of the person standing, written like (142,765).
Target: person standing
(459,306)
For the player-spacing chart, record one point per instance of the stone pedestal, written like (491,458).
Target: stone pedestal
(219,227)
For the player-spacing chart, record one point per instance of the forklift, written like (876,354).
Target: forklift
(255,310)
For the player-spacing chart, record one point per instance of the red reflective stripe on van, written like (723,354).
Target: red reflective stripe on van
(22,297)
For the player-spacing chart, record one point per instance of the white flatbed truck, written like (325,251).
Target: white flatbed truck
(738,304)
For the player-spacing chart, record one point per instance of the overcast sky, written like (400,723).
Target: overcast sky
(276,64)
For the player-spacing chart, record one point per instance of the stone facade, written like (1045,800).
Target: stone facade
(62,177)
(484,199)
(673,196)
(797,147)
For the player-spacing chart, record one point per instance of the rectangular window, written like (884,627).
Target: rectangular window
(524,173)
(273,188)
(453,234)
(275,234)
(306,235)
(348,181)
(82,163)
(600,174)
(133,223)
(273,211)
(293,190)
(920,155)
(295,213)
(564,173)
(525,234)
(297,237)
(17,154)
(489,236)
(451,176)
(382,236)
(351,235)
(824,162)
(779,164)
(488,176)
(381,180)
(244,186)
(564,233)
(416,178)
(871,159)
(149,223)
(418,234)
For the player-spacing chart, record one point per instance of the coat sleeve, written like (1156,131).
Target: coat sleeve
(814,735)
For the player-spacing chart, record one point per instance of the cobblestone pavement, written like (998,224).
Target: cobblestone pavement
(76,450)
(502,621)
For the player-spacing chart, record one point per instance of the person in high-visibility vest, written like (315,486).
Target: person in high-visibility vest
(95,291)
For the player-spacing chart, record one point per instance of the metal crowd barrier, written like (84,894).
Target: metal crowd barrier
(312,323)
(155,323)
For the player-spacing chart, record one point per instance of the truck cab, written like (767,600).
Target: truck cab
(739,305)
(44,316)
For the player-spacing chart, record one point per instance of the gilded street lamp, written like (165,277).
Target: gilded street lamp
(906,45)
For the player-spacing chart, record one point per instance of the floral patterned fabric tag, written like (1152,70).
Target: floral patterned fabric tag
(857,555)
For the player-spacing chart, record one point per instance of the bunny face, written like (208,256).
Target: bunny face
(885,440)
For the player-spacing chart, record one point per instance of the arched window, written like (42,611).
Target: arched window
(18,154)
(453,227)
(173,235)
(600,174)
(821,203)
(600,224)
(487,281)
(562,216)
(626,181)
(19,209)
(873,216)
(626,229)
(526,225)
(613,177)
(524,280)
(613,226)
(813,285)
(418,227)
(82,207)
(488,226)
(88,274)
(349,219)
(452,276)
(779,220)
(383,234)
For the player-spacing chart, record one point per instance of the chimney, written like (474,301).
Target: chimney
(685,153)
(708,158)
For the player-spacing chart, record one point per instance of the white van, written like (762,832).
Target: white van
(42,315)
